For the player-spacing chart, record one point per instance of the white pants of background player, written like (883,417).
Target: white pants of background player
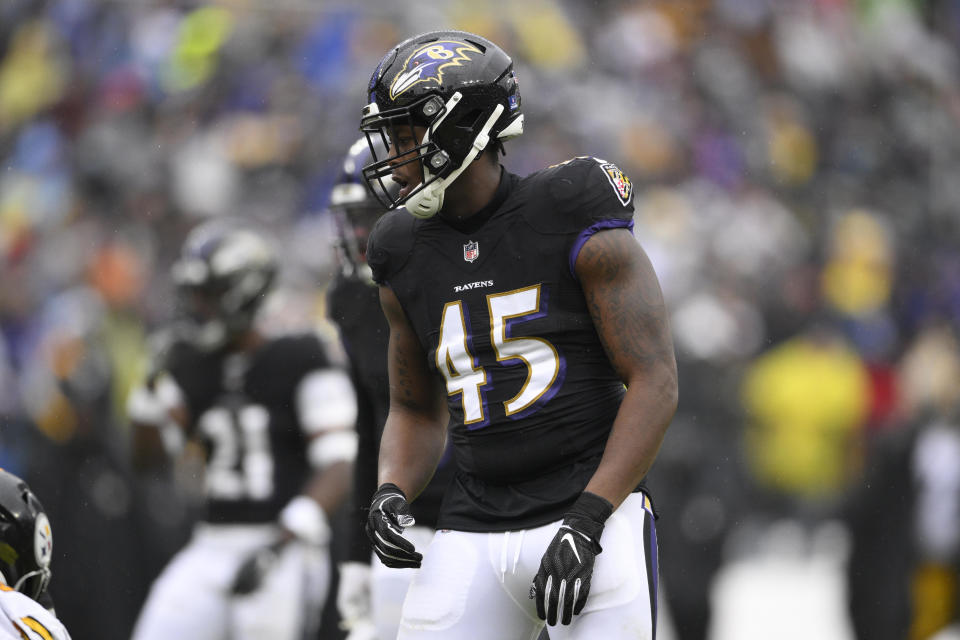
(191,599)
(476,586)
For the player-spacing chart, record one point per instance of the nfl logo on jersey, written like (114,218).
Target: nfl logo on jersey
(471,251)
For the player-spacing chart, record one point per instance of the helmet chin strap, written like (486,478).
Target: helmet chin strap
(427,201)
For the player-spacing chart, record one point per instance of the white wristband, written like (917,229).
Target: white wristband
(145,408)
(304,518)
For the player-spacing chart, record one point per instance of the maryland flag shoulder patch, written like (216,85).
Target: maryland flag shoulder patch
(618,180)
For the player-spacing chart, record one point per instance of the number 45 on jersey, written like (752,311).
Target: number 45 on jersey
(462,370)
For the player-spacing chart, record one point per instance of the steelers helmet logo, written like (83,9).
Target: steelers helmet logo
(43,541)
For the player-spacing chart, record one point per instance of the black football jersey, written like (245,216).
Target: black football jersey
(502,318)
(354,305)
(243,409)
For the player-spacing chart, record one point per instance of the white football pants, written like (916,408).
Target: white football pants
(388,587)
(190,600)
(476,586)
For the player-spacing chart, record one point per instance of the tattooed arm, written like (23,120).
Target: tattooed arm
(627,308)
(414,435)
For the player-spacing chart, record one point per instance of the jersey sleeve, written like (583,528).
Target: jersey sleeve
(588,189)
(28,618)
(584,195)
(390,244)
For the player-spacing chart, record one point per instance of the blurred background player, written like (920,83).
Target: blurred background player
(370,595)
(907,509)
(274,418)
(26,549)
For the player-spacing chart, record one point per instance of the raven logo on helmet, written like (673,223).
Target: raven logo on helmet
(427,62)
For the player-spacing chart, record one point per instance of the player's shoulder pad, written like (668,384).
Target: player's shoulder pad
(578,193)
(391,243)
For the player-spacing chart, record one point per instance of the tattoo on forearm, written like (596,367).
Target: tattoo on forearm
(404,384)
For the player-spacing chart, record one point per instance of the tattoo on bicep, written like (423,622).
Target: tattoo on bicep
(625,301)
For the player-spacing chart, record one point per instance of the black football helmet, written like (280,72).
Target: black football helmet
(222,277)
(356,209)
(26,541)
(458,85)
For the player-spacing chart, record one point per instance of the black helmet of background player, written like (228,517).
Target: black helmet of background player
(355,208)
(26,541)
(461,88)
(222,277)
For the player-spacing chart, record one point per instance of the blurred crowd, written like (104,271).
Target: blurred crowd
(796,165)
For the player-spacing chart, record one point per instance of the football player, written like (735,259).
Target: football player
(26,548)
(538,309)
(370,595)
(275,419)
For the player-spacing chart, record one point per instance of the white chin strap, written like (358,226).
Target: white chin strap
(425,202)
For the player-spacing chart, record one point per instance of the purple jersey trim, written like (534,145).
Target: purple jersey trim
(651,552)
(588,232)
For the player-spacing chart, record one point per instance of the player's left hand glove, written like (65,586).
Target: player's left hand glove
(562,584)
(252,570)
(389,515)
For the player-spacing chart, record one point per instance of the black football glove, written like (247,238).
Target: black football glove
(389,515)
(250,575)
(562,584)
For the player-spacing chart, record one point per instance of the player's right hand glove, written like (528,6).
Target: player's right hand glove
(389,515)
(562,584)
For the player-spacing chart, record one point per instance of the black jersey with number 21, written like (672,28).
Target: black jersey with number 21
(502,319)
(243,409)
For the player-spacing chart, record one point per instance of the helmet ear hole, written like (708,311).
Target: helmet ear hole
(471,119)
(457,138)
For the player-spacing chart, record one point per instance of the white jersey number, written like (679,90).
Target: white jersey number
(461,369)
(241,464)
